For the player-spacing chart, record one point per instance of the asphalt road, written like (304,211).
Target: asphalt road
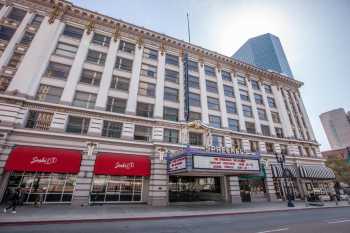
(334,220)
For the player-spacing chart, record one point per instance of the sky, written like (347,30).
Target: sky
(315,35)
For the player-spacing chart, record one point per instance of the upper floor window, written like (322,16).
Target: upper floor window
(171,94)
(150,53)
(194,99)
(254,146)
(90,77)
(268,88)
(194,116)
(100,39)
(244,95)
(284,149)
(265,129)
(193,81)
(226,76)
(15,60)
(258,99)
(78,125)
(142,133)
(49,94)
(255,84)
(228,91)
(171,59)
(27,38)
(275,117)
(116,105)
(241,81)
(120,83)
(213,104)
(215,121)
(247,111)
(4,83)
(269,147)
(271,102)
(39,120)
(112,129)
(250,127)
(148,70)
(123,64)
(193,65)
(126,46)
(233,124)
(262,114)
(84,99)
(171,114)
(217,140)
(16,14)
(195,139)
(236,143)
(96,57)
(171,135)
(209,70)
(74,32)
(279,132)
(66,50)
(37,19)
(212,86)
(171,76)
(147,89)
(231,107)
(6,33)
(144,109)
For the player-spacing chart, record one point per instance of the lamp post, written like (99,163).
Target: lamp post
(281,159)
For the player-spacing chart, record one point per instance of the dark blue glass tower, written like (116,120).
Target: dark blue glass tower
(266,52)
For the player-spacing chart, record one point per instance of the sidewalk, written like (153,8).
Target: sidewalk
(71,214)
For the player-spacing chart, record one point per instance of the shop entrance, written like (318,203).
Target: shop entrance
(252,189)
(194,188)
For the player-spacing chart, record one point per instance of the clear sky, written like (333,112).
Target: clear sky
(314,34)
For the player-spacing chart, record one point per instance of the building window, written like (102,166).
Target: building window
(255,85)
(147,89)
(148,70)
(275,117)
(144,110)
(217,140)
(101,40)
(27,38)
(250,127)
(84,100)
(123,64)
(78,125)
(194,99)
(215,121)
(16,14)
(244,95)
(49,94)
(171,94)
(279,132)
(116,105)
(228,91)
(171,59)
(196,139)
(171,76)
(233,124)
(236,143)
(171,135)
(6,33)
(73,32)
(209,71)
(258,99)
(271,102)
(112,129)
(142,133)
(212,86)
(66,50)
(193,65)
(120,83)
(284,149)
(265,129)
(15,60)
(90,77)
(4,83)
(39,120)
(262,114)
(241,81)
(269,147)
(96,57)
(247,111)
(126,47)
(194,116)
(193,81)
(37,19)
(268,88)
(213,104)
(226,76)
(231,107)
(254,146)
(301,153)
(171,114)
(150,54)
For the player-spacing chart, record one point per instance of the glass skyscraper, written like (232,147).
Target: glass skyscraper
(266,52)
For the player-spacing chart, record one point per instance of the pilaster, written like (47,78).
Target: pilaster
(254,108)
(58,123)
(262,147)
(181,90)
(234,190)
(306,117)
(157,134)
(227,141)
(224,120)
(268,112)
(95,127)
(204,100)
(270,188)
(158,185)
(238,104)
(128,131)
(245,144)
(158,108)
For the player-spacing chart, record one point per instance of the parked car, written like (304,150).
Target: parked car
(344,197)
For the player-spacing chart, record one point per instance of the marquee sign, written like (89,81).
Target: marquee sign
(177,164)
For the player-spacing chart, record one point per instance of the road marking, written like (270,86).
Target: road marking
(339,221)
(274,230)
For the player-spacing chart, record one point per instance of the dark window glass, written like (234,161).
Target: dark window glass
(228,91)
(215,121)
(96,57)
(123,64)
(217,140)
(57,70)
(126,47)
(6,33)
(16,14)
(171,135)
(212,86)
(49,94)
(78,125)
(171,114)
(258,99)
(254,146)
(149,70)
(112,129)
(275,117)
(250,127)
(279,132)
(241,81)
(265,129)
(171,76)
(73,32)
(193,81)
(120,83)
(194,116)
(195,99)
(255,84)
(27,38)
(145,110)
(192,65)
(233,124)
(231,107)
(171,94)
(84,100)
(271,102)
(268,89)
(244,95)
(210,71)
(196,139)
(247,111)
(226,76)
(171,59)
(116,105)
(262,114)
(213,104)
(90,77)
(66,50)
(37,20)
(142,133)
(269,147)
(150,53)
(101,40)
(147,89)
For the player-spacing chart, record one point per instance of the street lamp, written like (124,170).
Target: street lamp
(281,159)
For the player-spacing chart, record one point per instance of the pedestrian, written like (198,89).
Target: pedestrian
(14,199)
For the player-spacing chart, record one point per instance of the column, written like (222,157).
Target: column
(4,11)
(106,78)
(239,105)
(224,120)
(58,123)
(255,110)
(128,131)
(27,78)
(286,126)
(181,91)
(262,147)
(268,112)
(292,114)
(76,69)
(298,116)
(245,144)
(95,127)
(277,148)
(134,82)
(204,100)
(270,188)
(11,46)
(306,117)
(157,134)
(227,141)
(234,190)
(158,108)
(158,185)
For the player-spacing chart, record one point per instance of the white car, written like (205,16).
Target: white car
(324,197)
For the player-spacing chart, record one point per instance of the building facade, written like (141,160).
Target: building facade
(266,52)
(95,110)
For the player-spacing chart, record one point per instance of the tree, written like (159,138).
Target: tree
(341,169)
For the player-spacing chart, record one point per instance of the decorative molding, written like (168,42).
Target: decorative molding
(116,32)
(140,41)
(162,47)
(57,12)
(90,26)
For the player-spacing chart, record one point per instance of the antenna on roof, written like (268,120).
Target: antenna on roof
(188,28)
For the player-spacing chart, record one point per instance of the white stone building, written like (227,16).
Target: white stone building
(90,105)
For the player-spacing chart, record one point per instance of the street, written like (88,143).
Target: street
(332,220)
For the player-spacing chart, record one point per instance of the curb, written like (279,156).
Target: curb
(72,221)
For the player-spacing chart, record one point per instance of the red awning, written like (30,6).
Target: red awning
(43,159)
(122,164)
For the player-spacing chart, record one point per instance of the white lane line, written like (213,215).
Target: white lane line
(339,221)
(273,230)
